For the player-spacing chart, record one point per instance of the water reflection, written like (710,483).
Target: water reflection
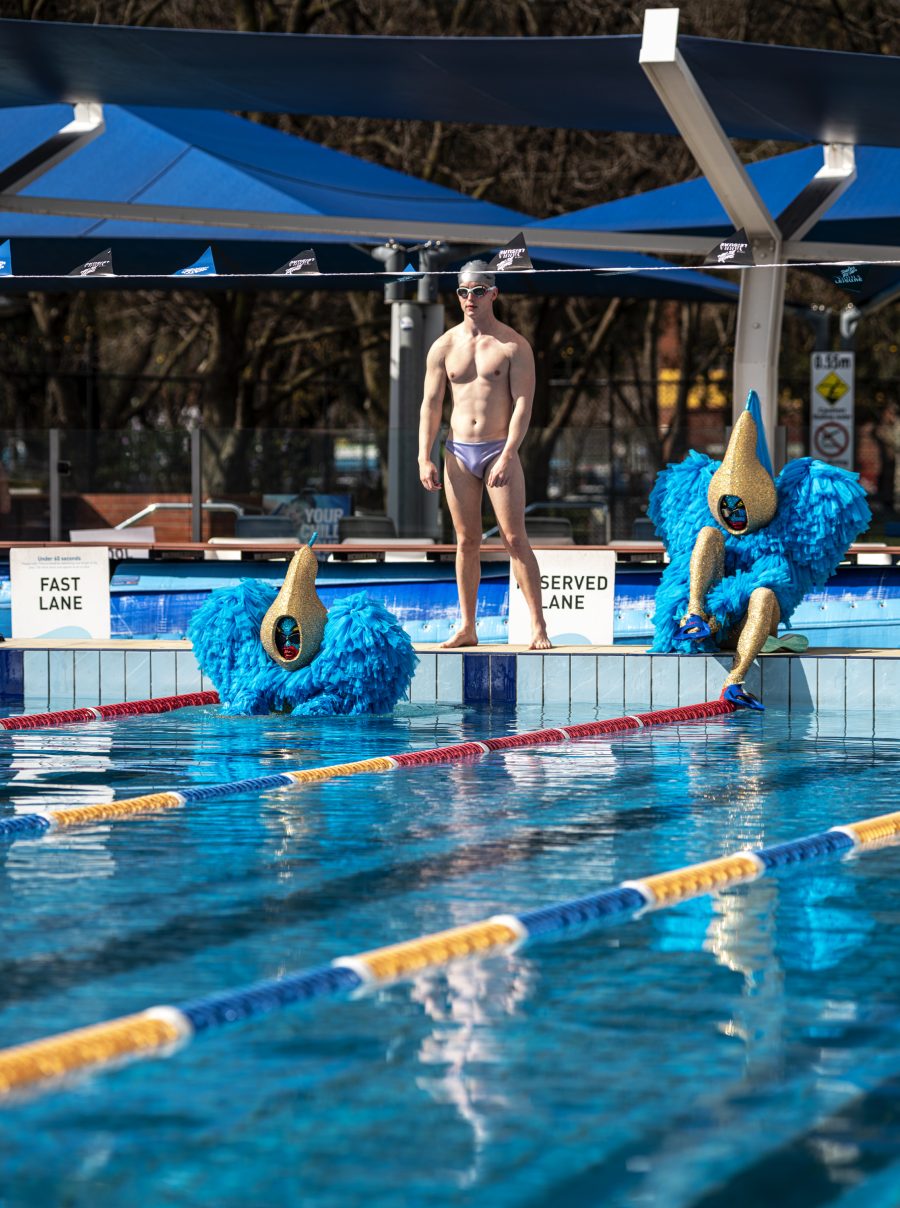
(463,1054)
(53,769)
(47,768)
(469,1004)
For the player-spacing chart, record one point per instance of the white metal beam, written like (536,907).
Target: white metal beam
(87,123)
(650,243)
(357,228)
(758,335)
(685,103)
(814,252)
(837,174)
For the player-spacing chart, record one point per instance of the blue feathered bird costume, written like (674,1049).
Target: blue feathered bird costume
(364,664)
(819,510)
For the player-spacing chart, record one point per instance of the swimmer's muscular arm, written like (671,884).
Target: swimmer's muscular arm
(430,413)
(521,389)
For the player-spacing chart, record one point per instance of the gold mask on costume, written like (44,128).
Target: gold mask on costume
(291,631)
(742,495)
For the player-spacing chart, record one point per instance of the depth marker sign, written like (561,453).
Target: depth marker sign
(832,409)
(60,593)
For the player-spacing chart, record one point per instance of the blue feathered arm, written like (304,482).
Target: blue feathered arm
(679,510)
(364,665)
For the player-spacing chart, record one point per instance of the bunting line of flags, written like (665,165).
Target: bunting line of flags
(733,251)
(101,265)
(736,250)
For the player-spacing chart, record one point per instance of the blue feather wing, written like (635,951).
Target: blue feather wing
(821,512)
(678,506)
(365,663)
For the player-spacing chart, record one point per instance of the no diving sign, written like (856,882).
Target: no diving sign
(830,440)
(577,593)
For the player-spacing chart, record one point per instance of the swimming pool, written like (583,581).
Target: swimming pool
(723,1050)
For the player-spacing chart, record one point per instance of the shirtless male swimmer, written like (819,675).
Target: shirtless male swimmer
(490,368)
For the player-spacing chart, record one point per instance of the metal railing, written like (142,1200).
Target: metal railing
(207,506)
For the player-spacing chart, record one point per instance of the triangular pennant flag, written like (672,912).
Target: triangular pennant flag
(205,266)
(734,249)
(100,266)
(848,277)
(512,257)
(410,273)
(299,263)
(5,260)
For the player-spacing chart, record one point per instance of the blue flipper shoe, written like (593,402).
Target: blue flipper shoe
(694,628)
(737,694)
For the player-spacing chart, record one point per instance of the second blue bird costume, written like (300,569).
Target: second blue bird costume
(279,651)
(819,510)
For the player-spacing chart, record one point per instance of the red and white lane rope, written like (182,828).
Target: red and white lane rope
(30,826)
(131,708)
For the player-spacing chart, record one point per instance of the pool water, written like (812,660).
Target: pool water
(735,1050)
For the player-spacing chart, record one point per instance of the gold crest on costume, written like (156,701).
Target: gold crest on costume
(291,631)
(742,495)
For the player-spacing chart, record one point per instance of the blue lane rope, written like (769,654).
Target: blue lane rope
(160,1030)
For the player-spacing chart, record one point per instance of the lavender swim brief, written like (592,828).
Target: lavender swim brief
(477,456)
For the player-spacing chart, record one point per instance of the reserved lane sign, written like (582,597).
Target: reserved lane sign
(577,593)
(60,593)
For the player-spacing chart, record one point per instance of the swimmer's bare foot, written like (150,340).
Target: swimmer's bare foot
(462,637)
(540,642)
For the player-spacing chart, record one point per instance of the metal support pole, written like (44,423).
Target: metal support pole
(758,338)
(849,322)
(54,485)
(433,320)
(196,484)
(819,319)
(414,328)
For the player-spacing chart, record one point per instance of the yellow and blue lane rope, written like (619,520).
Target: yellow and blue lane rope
(31,826)
(160,1030)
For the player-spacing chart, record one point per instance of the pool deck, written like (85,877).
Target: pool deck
(37,674)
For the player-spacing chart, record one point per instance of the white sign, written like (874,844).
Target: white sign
(577,592)
(832,409)
(118,539)
(59,593)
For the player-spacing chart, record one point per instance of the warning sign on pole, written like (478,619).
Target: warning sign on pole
(831,410)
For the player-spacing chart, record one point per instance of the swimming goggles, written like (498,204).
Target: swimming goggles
(476,291)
